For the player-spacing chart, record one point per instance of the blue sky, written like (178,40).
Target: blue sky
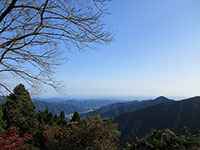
(155,51)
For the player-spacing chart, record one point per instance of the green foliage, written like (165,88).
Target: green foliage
(2,121)
(19,109)
(39,138)
(62,116)
(61,119)
(54,132)
(45,117)
(165,140)
(76,117)
(93,133)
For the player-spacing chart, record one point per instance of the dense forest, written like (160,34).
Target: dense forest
(22,127)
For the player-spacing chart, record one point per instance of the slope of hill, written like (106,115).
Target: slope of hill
(174,115)
(114,110)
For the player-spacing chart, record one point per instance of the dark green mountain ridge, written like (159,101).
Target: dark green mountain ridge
(173,115)
(116,109)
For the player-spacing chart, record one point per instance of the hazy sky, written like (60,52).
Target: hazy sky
(155,51)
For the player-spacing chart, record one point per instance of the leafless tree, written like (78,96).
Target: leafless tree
(30,31)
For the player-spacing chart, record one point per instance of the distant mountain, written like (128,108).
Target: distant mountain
(56,105)
(116,109)
(174,115)
(70,106)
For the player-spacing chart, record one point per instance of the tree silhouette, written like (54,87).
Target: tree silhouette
(76,117)
(2,121)
(19,109)
(31,30)
(61,119)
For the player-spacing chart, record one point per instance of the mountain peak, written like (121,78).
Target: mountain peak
(196,98)
(161,98)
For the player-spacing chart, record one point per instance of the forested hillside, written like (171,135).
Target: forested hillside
(175,115)
(22,127)
(114,110)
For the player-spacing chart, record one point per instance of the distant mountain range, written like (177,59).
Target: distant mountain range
(173,114)
(116,109)
(70,106)
(56,105)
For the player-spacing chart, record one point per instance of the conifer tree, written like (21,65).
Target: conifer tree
(2,121)
(76,117)
(61,118)
(19,109)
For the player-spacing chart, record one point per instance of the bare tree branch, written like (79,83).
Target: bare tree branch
(8,9)
(30,31)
